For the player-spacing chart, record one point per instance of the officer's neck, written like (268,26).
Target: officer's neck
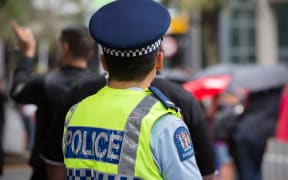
(128,84)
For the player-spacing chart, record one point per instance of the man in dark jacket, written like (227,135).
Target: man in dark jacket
(50,92)
(191,111)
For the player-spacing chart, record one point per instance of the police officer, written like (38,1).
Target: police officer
(128,129)
(50,92)
(192,113)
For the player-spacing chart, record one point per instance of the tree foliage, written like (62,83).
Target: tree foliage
(45,22)
(189,5)
(13,10)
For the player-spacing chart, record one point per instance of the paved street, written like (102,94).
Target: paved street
(16,172)
(16,156)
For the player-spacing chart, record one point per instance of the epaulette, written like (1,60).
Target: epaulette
(164,100)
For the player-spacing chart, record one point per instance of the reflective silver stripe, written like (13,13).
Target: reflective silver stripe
(131,134)
(95,175)
(72,110)
(67,121)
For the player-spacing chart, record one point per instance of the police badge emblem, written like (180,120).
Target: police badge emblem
(183,143)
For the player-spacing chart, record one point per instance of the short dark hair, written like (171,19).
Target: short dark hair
(130,69)
(79,41)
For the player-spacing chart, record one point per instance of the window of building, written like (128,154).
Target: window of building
(238,32)
(282,27)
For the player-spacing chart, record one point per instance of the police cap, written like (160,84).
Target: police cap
(130,28)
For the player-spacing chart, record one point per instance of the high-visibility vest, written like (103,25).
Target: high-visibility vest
(107,135)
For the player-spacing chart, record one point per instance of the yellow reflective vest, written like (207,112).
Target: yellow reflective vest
(107,135)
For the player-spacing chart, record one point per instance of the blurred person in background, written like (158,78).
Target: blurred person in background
(229,111)
(27,113)
(274,163)
(241,121)
(50,92)
(219,110)
(244,121)
(257,123)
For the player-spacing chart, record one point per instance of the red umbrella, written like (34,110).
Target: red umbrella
(207,86)
(236,78)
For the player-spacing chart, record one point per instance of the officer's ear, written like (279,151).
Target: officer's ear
(103,62)
(159,61)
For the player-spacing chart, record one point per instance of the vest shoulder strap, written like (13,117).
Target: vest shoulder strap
(164,99)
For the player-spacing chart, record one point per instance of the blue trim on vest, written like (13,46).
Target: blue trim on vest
(164,100)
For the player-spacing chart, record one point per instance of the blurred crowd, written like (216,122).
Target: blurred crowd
(244,116)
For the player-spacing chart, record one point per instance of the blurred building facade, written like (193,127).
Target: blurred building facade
(254,31)
(246,31)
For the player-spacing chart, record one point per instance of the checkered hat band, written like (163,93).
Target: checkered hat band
(132,53)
